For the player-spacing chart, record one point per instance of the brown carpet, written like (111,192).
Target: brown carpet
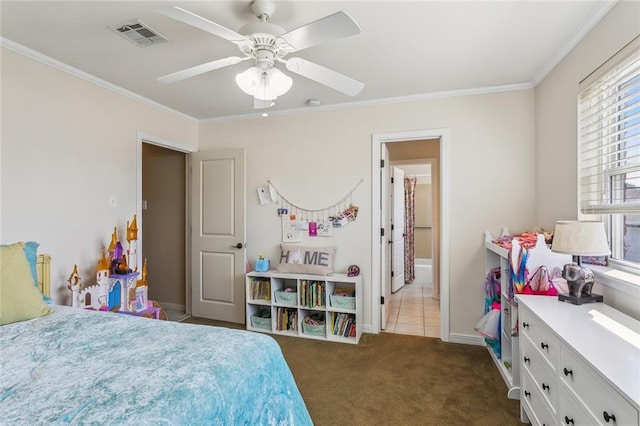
(393,379)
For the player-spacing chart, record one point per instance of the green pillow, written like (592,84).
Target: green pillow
(19,299)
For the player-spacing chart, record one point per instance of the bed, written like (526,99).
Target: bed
(76,366)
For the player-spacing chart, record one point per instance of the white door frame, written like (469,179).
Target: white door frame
(145,138)
(377,140)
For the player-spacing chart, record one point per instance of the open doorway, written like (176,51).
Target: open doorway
(415,307)
(428,146)
(163,226)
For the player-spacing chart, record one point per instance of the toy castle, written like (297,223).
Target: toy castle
(117,287)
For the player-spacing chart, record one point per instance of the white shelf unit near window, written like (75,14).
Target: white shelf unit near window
(508,359)
(271,308)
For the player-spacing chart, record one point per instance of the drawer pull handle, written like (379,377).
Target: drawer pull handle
(608,417)
(543,345)
(526,359)
(527,394)
(567,420)
(525,325)
(568,372)
(545,386)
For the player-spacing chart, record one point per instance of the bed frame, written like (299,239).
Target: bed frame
(43,270)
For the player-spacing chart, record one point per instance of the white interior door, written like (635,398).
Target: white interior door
(218,235)
(397,231)
(385,251)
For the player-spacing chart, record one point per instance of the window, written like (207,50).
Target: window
(609,152)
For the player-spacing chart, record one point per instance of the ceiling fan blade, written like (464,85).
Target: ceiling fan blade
(182,15)
(325,76)
(331,27)
(200,69)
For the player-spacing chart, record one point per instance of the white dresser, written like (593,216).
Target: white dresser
(580,363)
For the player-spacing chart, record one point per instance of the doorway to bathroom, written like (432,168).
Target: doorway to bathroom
(420,146)
(414,308)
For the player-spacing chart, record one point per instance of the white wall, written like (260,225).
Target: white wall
(556,125)
(315,158)
(67,144)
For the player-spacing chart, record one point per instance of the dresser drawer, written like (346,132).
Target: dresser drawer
(545,378)
(535,405)
(573,413)
(542,336)
(602,400)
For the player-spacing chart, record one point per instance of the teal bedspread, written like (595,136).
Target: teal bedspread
(85,367)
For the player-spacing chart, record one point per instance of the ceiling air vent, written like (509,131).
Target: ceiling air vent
(138,33)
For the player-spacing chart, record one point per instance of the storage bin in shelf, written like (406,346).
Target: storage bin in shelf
(259,317)
(342,296)
(260,322)
(314,324)
(343,302)
(286,298)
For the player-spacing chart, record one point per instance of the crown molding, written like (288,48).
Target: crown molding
(375,102)
(61,66)
(603,7)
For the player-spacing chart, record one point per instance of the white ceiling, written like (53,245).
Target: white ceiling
(407,49)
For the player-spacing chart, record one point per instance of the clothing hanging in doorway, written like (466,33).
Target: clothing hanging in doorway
(409,223)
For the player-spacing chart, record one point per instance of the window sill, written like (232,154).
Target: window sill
(617,279)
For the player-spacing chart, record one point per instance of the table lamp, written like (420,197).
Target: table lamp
(579,238)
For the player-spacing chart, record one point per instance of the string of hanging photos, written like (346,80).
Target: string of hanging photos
(298,220)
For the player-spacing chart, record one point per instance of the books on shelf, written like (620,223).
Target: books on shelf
(287,319)
(312,293)
(260,290)
(343,324)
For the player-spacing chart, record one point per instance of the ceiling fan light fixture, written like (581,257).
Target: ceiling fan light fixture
(264,85)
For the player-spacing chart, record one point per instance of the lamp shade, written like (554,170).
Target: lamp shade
(265,85)
(580,238)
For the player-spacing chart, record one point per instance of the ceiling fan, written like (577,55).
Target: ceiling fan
(266,43)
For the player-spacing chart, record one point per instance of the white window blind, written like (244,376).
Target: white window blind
(609,135)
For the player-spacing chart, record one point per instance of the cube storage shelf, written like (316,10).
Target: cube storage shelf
(278,303)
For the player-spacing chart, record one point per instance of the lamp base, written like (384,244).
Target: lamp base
(579,300)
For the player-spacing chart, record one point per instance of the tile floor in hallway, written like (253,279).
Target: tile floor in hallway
(412,310)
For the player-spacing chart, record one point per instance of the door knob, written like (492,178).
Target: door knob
(237,246)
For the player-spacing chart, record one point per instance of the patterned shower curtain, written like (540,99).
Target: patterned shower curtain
(409,223)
